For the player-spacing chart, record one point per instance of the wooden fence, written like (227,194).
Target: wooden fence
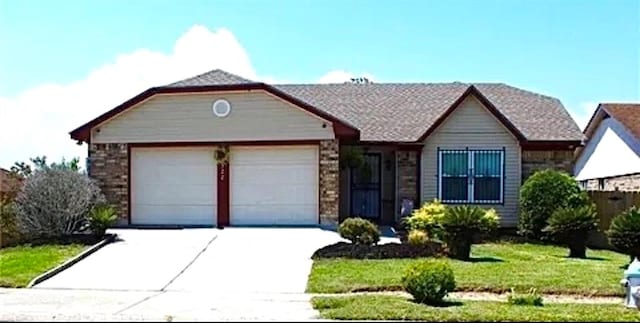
(610,204)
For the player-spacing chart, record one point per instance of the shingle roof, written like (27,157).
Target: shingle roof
(402,112)
(214,77)
(628,114)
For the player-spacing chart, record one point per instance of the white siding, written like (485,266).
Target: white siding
(255,115)
(611,151)
(472,125)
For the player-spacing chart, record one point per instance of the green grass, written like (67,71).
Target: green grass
(496,268)
(19,265)
(400,308)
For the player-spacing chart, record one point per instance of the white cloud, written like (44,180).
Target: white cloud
(341,76)
(583,113)
(38,121)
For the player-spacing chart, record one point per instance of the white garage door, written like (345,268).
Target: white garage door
(274,185)
(173,186)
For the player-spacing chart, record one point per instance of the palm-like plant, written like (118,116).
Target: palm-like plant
(624,232)
(460,224)
(571,226)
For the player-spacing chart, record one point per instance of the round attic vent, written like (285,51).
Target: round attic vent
(221,108)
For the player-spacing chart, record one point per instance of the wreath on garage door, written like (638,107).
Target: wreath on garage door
(221,155)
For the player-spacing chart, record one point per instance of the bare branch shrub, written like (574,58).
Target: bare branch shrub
(55,202)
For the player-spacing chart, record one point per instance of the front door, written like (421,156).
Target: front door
(365,188)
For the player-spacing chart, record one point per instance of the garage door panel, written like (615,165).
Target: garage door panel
(286,215)
(266,194)
(274,185)
(175,214)
(173,186)
(294,175)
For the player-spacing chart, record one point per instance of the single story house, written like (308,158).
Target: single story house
(610,159)
(218,150)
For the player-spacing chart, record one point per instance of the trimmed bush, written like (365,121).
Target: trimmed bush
(429,281)
(461,224)
(624,232)
(541,194)
(54,203)
(417,238)
(359,231)
(571,226)
(101,218)
(531,298)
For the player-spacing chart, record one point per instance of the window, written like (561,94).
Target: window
(471,176)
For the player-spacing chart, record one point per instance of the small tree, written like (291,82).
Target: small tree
(571,226)
(55,202)
(541,194)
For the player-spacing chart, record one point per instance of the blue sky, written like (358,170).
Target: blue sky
(582,52)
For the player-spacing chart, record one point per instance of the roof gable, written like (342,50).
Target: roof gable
(473,91)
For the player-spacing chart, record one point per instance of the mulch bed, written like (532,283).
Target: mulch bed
(381,251)
(83,239)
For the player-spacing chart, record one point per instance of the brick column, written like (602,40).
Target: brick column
(329,182)
(534,160)
(109,166)
(407,176)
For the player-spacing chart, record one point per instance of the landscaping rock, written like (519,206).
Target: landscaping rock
(381,251)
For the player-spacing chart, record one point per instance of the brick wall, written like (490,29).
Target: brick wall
(329,182)
(533,160)
(109,166)
(407,176)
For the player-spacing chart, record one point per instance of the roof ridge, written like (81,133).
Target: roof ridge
(210,72)
(388,83)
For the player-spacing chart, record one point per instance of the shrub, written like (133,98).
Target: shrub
(624,232)
(429,281)
(541,194)
(460,224)
(426,218)
(531,298)
(55,202)
(359,231)
(418,238)
(571,226)
(101,218)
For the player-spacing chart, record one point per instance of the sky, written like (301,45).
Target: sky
(62,63)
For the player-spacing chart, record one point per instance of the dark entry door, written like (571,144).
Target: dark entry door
(365,188)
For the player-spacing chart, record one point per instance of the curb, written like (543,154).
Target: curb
(107,240)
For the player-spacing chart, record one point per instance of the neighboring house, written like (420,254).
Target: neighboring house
(610,159)
(9,184)
(461,143)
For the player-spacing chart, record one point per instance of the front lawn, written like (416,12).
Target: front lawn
(400,308)
(494,267)
(19,265)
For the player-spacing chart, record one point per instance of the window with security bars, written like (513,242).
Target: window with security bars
(470,176)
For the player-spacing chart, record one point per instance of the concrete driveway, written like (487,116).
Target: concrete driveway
(142,260)
(255,260)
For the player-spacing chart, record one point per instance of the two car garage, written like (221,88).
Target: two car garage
(268,185)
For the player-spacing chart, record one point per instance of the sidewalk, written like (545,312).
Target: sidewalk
(93,305)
